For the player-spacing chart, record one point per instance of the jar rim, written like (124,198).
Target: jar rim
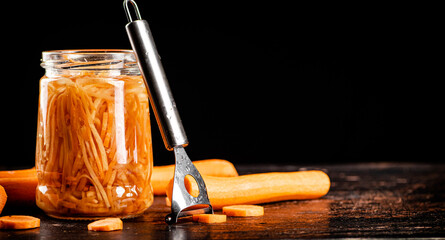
(69,51)
(89,59)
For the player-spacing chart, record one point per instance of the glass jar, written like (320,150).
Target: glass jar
(93,149)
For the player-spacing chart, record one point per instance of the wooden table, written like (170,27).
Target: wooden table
(365,200)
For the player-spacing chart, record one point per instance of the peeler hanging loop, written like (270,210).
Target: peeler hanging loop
(127,10)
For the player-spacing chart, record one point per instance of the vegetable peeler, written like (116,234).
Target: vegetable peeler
(167,117)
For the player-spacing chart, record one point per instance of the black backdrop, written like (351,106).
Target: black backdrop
(262,83)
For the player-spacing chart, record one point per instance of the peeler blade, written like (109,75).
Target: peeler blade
(183,204)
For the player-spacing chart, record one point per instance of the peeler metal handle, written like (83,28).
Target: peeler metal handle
(160,95)
(182,202)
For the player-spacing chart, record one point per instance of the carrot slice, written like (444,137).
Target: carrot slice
(161,175)
(19,222)
(105,225)
(209,218)
(243,210)
(260,188)
(3,198)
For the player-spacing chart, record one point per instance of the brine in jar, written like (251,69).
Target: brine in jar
(93,148)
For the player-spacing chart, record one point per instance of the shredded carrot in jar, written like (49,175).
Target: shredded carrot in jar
(93,151)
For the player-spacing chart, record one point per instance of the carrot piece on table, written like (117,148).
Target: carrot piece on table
(209,218)
(19,222)
(18,173)
(260,188)
(20,185)
(243,210)
(107,224)
(3,198)
(161,175)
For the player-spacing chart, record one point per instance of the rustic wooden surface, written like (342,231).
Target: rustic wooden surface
(365,200)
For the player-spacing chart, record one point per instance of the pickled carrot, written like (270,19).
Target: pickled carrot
(81,165)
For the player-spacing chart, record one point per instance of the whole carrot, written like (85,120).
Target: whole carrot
(260,188)
(161,175)
(21,184)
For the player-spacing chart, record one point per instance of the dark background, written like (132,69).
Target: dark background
(261,83)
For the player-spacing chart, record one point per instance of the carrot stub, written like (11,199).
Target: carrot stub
(161,175)
(261,187)
(3,198)
(105,225)
(243,210)
(19,222)
(209,218)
